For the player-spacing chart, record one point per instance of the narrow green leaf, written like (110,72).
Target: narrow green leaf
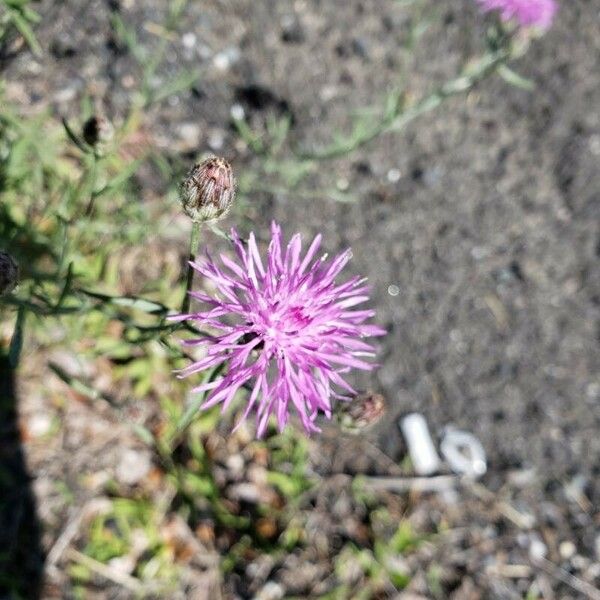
(81,387)
(25,30)
(144,434)
(141,304)
(129,37)
(181,83)
(16,342)
(191,410)
(146,306)
(121,178)
(75,138)
(513,78)
(194,406)
(67,287)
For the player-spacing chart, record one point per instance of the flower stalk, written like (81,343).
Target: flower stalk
(194,243)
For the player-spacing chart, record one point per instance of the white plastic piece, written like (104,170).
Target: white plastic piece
(422,452)
(464,453)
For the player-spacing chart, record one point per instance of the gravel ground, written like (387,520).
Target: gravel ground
(478,227)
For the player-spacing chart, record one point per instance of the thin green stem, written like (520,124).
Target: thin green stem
(16,342)
(400,116)
(194,242)
(91,184)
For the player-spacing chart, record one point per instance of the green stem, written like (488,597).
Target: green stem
(400,117)
(194,242)
(16,342)
(90,184)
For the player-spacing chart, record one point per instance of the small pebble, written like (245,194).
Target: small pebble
(216,140)
(595,144)
(245,491)
(593,391)
(237,112)
(39,424)
(522,477)
(537,549)
(66,94)
(124,565)
(593,572)
(270,591)
(133,467)
(567,550)
(188,40)
(328,92)
(225,59)
(580,562)
(397,564)
(393,175)
(235,463)
(343,184)
(189,134)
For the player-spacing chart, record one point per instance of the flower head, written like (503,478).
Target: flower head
(528,13)
(208,191)
(287,330)
(362,413)
(9,273)
(98,132)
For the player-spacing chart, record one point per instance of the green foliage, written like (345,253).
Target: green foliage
(149,62)
(129,528)
(286,167)
(17,15)
(365,573)
(289,457)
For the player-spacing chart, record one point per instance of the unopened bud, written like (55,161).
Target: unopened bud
(9,273)
(98,132)
(208,191)
(360,413)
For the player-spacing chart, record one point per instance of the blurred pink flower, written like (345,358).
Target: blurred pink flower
(285,325)
(528,13)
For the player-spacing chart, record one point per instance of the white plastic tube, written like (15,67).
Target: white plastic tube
(422,452)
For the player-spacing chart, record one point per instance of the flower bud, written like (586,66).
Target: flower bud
(208,191)
(360,413)
(9,273)
(98,132)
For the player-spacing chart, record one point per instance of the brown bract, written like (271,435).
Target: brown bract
(208,191)
(363,411)
(98,132)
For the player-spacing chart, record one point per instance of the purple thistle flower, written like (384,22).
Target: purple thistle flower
(528,13)
(285,326)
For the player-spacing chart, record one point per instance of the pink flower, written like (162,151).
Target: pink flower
(528,13)
(287,330)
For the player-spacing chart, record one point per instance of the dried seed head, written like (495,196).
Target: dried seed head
(208,191)
(98,132)
(9,273)
(360,413)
